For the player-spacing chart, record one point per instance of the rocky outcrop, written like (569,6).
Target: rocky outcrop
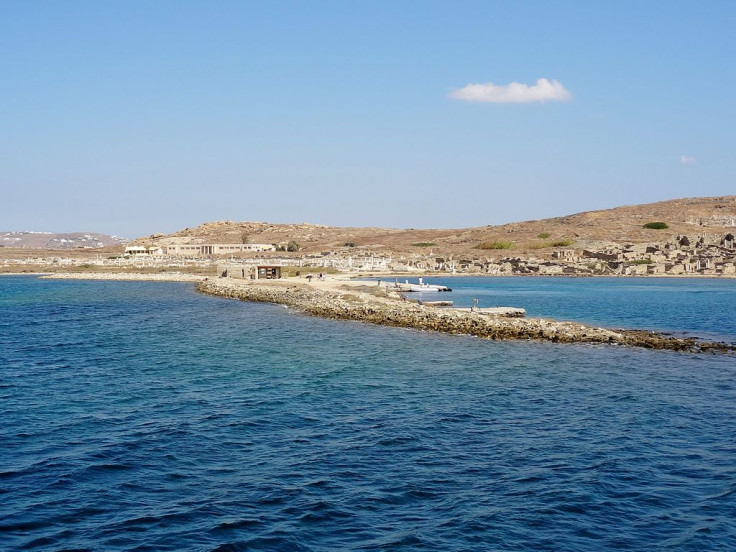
(357,305)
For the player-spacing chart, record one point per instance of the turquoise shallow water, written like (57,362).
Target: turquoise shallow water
(143,416)
(704,307)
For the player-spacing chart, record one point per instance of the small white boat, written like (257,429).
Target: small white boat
(421,286)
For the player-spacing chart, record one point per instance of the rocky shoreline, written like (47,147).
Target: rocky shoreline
(377,306)
(125,276)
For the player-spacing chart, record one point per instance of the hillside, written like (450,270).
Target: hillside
(592,230)
(48,240)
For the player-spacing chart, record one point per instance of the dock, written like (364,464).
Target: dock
(418,288)
(507,312)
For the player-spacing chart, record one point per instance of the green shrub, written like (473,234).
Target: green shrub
(500,244)
(656,225)
(562,243)
(349,244)
(544,235)
(293,246)
(546,244)
(424,244)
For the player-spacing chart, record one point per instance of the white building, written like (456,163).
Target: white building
(198,250)
(142,251)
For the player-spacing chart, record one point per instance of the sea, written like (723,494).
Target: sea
(142,416)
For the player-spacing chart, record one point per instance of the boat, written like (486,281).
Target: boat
(421,286)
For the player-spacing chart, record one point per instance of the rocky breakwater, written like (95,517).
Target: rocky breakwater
(371,306)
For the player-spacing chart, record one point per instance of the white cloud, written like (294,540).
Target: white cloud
(514,92)
(687,160)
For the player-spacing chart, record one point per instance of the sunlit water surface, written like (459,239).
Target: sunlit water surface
(143,416)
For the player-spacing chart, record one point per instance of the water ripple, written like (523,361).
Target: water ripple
(146,417)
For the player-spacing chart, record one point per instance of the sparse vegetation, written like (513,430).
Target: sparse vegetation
(656,225)
(291,246)
(292,271)
(563,243)
(547,244)
(349,244)
(499,244)
(544,235)
(424,244)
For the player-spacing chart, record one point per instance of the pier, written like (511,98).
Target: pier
(372,304)
(509,312)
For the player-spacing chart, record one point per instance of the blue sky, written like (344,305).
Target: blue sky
(135,117)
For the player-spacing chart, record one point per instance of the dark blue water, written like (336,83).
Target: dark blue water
(143,416)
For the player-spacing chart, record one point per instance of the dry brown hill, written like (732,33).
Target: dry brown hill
(592,229)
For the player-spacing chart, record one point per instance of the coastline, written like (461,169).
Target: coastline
(366,303)
(434,274)
(124,276)
(373,275)
(342,297)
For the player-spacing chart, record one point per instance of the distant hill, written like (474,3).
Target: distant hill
(48,240)
(592,229)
